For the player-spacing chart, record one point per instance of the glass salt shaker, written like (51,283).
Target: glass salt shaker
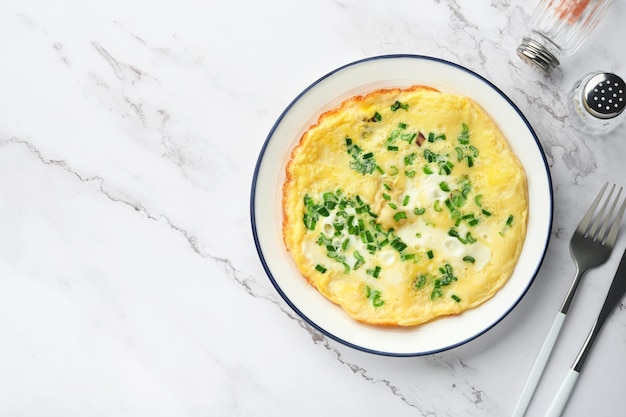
(559,28)
(596,103)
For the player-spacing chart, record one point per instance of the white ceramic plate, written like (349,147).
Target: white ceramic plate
(266,216)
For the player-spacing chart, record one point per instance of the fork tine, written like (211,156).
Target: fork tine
(584,223)
(598,218)
(612,236)
(601,235)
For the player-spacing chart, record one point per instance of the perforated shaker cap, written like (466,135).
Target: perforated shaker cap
(604,96)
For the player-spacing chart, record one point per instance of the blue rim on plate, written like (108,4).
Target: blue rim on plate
(357,78)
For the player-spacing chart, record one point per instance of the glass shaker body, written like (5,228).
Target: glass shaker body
(559,28)
(596,103)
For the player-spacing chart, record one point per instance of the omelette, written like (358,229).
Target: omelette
(402,206)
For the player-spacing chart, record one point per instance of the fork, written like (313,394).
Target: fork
(591,245)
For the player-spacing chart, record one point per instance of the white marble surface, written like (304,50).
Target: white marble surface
(129,281)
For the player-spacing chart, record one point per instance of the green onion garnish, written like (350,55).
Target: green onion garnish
(374,272)
(420,281)
(397,105)
(398,245)
(469,259)
(399,216)
(463,137)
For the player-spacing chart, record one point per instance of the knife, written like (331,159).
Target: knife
(615,294)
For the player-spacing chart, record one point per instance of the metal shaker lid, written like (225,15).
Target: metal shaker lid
(534,53)
(604,96)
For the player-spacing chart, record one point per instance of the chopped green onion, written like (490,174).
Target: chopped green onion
(509,222)
(399,216)
(469,259)
(455,298)
(408,160)
(430,156)
(457,198)
(406,200)
(323,211)
(463,137)
(398,245)
(468,237)
(420,281)
(374,272)
(397,105)
(430,254)
(320,268)
(432,137)
(418,211)
(445,169)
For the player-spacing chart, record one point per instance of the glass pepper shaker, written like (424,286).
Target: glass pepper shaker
(596,103)
(559,28)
